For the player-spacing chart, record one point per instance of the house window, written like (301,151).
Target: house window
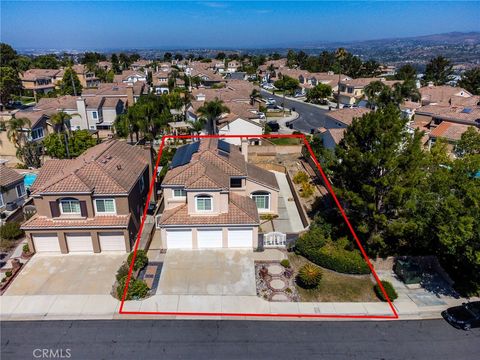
(105,206)
(37,133)
(95,114)
(235,182)
(142,184)
(70,206)
(20,190)
(179,193)
(1,200)
(262,200)
(203,203)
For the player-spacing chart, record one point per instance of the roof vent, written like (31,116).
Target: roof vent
(108,157)
(119,167)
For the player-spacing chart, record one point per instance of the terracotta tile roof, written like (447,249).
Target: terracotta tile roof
(441,94)
(9,176)
(112,167)
(337,134)
(362,82)
(346,116)
(262,176)
(469,115)
(42,222)
(449,131)
(34,74)
(241,210)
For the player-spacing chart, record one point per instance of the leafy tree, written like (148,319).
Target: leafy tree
(380,163)
(30,153)
(291,58)
(48,61)
(178,57)
(92,58)
(197,125)
(134,57)
(319,93)
(470,81)
(406,72)
(61,121)
(469,143)
(9,83)
(17,130)
(276,56)
(8,55)
(221,56)
(70,84)
(287,84)
(371,68)
(376,92)
(115,64)
(406,90)
(124,61)
(167,57)
(211,111)
(56,144)
(439,71)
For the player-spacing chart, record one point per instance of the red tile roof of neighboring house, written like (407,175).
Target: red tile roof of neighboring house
(112,167)
(463,114)
(9,176)
(101,222)
(346,116)
(241,210)
(337,134)
(34,74)
(441,94)
(449,131)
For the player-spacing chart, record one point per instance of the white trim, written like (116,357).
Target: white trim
(205,197)
(105,212)
(262,193)
(70,213)
(181,196)
(1,200)
(22,191)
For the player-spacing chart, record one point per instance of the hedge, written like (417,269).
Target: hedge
(310,242)
(141,260)
(10,231)
(137,289)
(392,294)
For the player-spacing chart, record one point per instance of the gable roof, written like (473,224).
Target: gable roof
(9,176)
(449,131)
(346,116)
(112,167)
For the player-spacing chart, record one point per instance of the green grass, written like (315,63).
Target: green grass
(335,287)
(285,141)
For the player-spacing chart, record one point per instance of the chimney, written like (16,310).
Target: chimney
(82,111)
(130,95)
(244,149)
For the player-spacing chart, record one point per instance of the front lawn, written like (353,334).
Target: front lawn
(285,141)
(335,287)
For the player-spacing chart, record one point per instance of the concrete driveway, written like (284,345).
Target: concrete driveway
(92,274)
(208,272)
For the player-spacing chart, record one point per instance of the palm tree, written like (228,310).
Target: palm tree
(373,90)
(340,54)
(211,111)
(61,121)
(406,90)
(197,125)
(17,130)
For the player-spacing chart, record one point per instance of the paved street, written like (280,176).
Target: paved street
(310,117)
(165,339)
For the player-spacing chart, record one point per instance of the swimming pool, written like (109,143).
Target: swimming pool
(28,179)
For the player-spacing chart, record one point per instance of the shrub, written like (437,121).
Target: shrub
(137,289)
(10,231)
(26,249)
(337,258)
(391,293)
(309,276)
(310,242)
(300,177)
(8,274)
(140,260)
(307,190)
(285,263)
(122,271)
(288,290)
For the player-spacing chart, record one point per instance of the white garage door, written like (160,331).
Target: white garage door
(211,238)
(46,243)
(240,238)
(179,239)
(79,242)
(114,241)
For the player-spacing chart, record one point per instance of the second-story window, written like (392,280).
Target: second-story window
(179,193)
(235,182)
(105,206)
(204,203)
(94,114)
(70,207)
(20,190)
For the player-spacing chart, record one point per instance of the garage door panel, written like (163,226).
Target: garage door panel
(210,238)
(46,243)
(79,242)
(240,238)
(179,239)
(113,241)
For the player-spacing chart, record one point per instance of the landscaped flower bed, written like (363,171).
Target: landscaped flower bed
(275,282)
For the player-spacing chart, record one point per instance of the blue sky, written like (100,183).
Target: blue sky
(139,24)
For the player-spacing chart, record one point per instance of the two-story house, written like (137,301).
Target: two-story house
(87,78)
(351,91)
(213,198)
(40,81)
(90,204)
(12,189)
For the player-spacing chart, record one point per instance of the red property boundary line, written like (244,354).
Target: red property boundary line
(337,202)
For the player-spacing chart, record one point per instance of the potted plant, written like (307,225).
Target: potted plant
(26,253)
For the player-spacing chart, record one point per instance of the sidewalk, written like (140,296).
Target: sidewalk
(81,307)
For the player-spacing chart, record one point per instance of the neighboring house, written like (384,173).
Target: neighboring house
(105,65)
(41,81)
(87,78)
(332,137)
(450,132)
(343,118)
(352,91)
(92,203)
(436,114)
(442,95)
(140,65)
(240,126)
(12,189)
(213,198)
(236,76)
(129,94)
(130,77)
(160,82)
(232,66)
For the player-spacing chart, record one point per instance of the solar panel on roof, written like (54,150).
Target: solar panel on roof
(467,110)
(183,155)
(224,146)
